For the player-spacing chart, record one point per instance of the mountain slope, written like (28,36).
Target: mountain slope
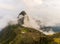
(15,34)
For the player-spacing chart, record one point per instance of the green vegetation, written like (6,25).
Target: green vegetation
(16,34)
(56,38)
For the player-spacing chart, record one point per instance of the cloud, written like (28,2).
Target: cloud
(6,19)
(48,10)
(6,6)
(31,3)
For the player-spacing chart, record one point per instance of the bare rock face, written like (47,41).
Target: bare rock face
(23,13)
(21,17)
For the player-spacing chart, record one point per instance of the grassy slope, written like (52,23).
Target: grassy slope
(15,34)
(56,38)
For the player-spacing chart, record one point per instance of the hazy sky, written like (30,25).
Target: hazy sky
(9,9)
(45,10)
(48,10)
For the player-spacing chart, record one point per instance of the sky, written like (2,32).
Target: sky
(48,11)
(9,10)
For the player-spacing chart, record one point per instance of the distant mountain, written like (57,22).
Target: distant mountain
(56,28)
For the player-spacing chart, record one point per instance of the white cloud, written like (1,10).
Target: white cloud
(31,3)
(48,10)
(6,6)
